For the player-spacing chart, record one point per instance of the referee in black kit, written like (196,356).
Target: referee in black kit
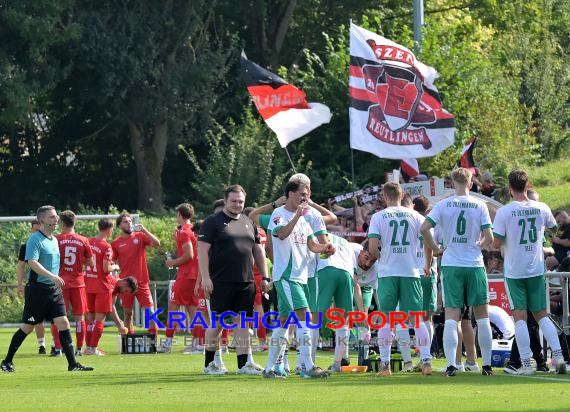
(43,295)
(228,244)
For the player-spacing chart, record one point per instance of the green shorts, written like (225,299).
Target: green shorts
(429,290)
(463,286)
(291,296)
(407,291)
(313,284)
(527,293)
(335,284)
(367,293)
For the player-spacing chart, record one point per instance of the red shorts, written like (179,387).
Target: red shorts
(101,302)
(142,294)
(77,298)
(257,300)
(183,293)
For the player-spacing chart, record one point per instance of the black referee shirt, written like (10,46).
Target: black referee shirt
(232,242)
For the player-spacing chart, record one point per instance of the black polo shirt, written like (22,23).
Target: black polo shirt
(232,242)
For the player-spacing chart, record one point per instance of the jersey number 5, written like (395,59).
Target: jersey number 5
(70,255)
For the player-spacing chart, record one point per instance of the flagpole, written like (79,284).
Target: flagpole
(291,161)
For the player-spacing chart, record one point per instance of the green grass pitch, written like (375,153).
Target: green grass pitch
(175,382)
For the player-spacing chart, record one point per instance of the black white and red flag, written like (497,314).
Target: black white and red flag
(283,106)
(466,159)
(409,168)
(395,109)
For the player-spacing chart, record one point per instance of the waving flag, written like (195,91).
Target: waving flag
(395,109)
(466,159)
(283,106)
(409,168)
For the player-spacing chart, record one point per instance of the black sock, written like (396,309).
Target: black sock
(67,346)
(242,360)
(15,343)
(209,357)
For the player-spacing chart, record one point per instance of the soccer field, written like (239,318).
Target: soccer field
(175,382)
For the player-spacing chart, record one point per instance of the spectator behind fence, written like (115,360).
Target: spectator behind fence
(561,242)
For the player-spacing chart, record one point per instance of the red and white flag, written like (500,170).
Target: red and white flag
(409,168)
(395,109)
(466,160)
(283,106)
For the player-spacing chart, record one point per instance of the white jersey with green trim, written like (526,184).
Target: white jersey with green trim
(398,229)
(342,257)
(462,219)
(421,255)
(521,226)
(315,220)
(290,255)
(364,277)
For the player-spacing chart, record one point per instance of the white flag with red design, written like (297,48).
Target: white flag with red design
(395,109)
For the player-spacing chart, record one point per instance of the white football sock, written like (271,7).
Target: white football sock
(315,335)
(551,335)
(218,361)
(341,343)
(485,339)
(423,342)
(430,330)
(274,347)
(304,338)
(450,339)
(385,343)
(523,340)
(403,341)
(42,341)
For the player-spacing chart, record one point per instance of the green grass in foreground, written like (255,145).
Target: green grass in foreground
(175,382)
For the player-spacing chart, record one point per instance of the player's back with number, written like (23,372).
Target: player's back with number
(461,219)
(74,249)
(97,280)
(521,226)
(398,229)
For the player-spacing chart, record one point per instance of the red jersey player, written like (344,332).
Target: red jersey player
(187,262)
(129,249)
(75,253)
(100,284)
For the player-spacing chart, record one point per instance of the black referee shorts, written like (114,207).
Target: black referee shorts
(236,297)
(42,302)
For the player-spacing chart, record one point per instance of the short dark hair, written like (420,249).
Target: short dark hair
(234,189)
(293,186)
(421,204)
(68,218)
(407,200)
(42,210)
(121,217)
(104,224)
(555,214)
(518,180)
(132,282)
(218,203)
(366,246)
(35,222)
(186,210)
